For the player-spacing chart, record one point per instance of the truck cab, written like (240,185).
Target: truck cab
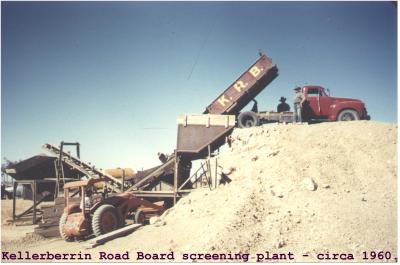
(319,105)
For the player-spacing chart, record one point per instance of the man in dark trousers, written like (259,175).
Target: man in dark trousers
(283,106)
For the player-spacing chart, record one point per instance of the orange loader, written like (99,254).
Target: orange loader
(98,213)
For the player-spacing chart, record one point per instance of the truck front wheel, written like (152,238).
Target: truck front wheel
(348,115)
(248,119)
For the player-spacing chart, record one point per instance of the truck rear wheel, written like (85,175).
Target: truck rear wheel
(105,219)
(348,115)
(63,221)
(248,119)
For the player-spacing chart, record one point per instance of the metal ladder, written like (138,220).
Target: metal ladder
(86,169)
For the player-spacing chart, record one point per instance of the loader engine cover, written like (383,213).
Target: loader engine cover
(76,225)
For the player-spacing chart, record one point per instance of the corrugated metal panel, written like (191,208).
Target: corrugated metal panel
(38,167)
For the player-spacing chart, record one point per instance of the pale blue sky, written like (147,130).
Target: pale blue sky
(115,75)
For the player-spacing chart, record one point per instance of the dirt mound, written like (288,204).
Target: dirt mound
(315,189)
(14,238)
(308,189)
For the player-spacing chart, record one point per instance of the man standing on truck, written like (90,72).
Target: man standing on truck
(299,99)
(283,106)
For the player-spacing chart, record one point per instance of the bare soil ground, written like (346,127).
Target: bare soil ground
(307,189)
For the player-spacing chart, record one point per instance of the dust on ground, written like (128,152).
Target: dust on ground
(307,189)
(21,233)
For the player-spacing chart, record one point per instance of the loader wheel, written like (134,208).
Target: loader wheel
(63,221)
(105,219)
(140,217)
(248,119)
(348,115)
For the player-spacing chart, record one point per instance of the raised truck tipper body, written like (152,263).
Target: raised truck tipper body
(245,88)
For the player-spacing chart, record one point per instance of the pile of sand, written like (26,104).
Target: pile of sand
(308,189)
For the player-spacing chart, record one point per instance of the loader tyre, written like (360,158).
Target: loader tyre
(248,119)
(348,115)
(140,217)
(63,221)
(105,219)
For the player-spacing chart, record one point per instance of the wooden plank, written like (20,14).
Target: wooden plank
(51,216)
(57,208)
(50,223)
(51,219)
(55,215)
(48,212)
(48,232)
(35,202)
(14,199)
(48,226)
(206,120)
(45,207)
(58,212)
(60,200)
(112,235)
(54,227)
(54,211)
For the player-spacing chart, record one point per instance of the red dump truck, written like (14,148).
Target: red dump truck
(319,105)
